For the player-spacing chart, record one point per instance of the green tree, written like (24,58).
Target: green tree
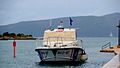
(5,34)
(19,35)
(30,35)
(22,35)
(12,34)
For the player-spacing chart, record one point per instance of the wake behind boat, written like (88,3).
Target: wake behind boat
(61,45)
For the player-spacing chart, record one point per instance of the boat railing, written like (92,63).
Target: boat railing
(58,41)
(80,43)
(107,45)
(64,41)
(38,42)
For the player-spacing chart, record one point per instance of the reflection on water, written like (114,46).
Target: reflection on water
(26,56)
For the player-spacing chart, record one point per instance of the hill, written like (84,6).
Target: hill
(88,26)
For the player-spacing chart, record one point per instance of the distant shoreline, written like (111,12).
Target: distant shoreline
(18,36)
(18,39)
(39,38)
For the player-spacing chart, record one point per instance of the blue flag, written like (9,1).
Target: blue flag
(71,21)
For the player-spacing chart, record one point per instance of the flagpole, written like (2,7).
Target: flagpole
(70,27)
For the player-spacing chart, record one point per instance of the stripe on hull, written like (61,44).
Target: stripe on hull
(75,54)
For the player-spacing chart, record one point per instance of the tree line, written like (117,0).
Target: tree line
(13,35)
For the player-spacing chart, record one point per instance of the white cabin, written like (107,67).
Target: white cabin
(59,37)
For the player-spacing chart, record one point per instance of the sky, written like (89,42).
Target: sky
(14,11)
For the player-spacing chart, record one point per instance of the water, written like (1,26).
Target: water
(27,57)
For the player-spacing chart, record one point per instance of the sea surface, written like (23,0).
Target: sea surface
(26,57)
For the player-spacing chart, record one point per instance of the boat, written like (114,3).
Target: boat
(111,35)
(61,45)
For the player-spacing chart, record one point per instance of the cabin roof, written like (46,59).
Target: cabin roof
(67,29)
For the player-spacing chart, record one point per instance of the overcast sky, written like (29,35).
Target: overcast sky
(13,11)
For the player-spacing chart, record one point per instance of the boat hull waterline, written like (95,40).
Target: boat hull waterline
(61,54)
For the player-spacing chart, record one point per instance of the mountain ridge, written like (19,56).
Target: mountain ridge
(89,26)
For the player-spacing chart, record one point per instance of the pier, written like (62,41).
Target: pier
(115,61)
(113,49)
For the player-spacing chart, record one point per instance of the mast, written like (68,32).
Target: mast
(50,25)
(61,25)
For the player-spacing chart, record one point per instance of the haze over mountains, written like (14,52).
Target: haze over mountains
(88,26)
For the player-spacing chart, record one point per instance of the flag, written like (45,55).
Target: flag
(71,21)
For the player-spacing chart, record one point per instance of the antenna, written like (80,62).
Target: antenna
(61,23)
(50,24)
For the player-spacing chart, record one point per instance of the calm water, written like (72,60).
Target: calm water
(27,57)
